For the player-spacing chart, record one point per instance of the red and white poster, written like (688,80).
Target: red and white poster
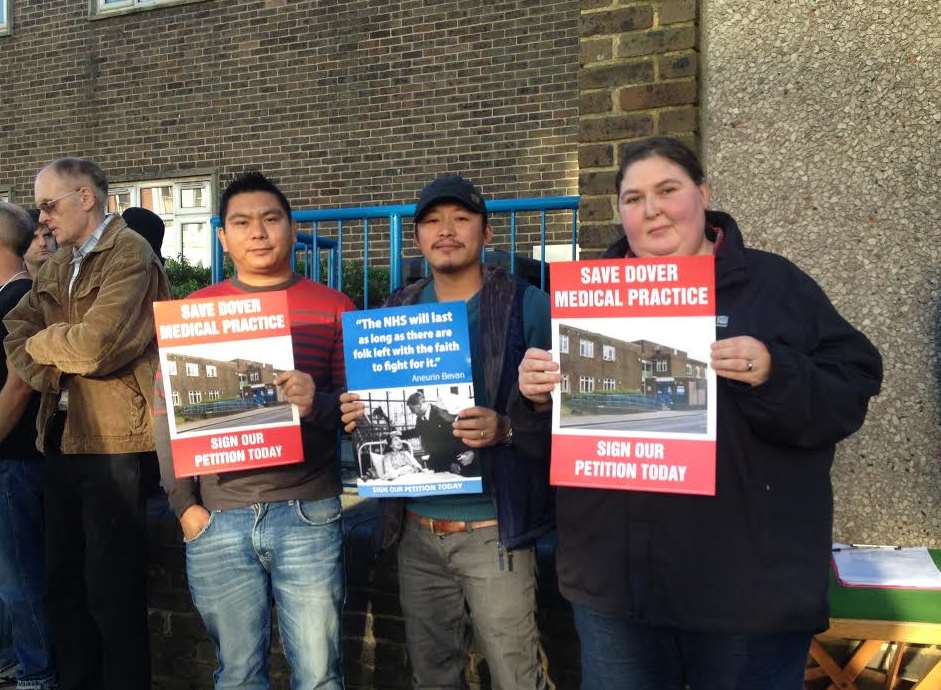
(219,358)
(636,409)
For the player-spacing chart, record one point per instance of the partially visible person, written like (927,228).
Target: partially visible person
(717,592)
(397,459)
(148,225)
(42,246)
(255,536)
(83,336)
(467,562)
(22,581)
(434,426)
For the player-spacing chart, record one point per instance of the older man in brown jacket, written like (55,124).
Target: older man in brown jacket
(83,336)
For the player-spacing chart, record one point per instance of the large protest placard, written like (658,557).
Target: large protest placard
(411,367)
(636,409)
(219,358)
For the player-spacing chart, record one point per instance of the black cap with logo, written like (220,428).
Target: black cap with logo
(450,188)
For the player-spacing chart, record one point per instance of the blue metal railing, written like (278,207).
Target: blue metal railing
(312,244)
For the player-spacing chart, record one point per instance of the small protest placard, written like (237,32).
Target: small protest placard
(219,358)
(411,368)
(637,406)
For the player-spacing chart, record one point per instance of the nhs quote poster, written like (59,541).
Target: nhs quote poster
(636,409)
(219,358)
(411,367)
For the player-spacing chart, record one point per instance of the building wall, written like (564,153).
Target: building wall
(343,102)
(821,133)
(639,77)
(625,369)
(226,380)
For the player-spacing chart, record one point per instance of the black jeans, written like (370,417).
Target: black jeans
(95,556)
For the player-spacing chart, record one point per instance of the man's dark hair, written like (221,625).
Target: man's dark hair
(416,398)
(252,181)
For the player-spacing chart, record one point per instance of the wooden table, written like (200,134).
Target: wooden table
(875,617)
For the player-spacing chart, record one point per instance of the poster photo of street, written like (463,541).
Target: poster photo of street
(636,376)
(227,386)
(404,444)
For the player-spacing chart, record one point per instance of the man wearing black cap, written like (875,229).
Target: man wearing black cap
(474,552)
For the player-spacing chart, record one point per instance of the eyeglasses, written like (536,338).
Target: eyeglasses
(48,207)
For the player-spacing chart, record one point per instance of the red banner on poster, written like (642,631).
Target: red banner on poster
(602,462)
(220,359)
(636,409)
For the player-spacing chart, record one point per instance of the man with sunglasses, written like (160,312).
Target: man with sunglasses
(83,336)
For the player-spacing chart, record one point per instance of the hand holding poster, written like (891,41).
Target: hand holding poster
(219,359)
(637,408)
(411,368)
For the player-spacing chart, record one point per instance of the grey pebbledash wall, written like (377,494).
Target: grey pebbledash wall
(822,135)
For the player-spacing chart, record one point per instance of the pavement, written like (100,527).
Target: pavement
(262,415)
(675,421)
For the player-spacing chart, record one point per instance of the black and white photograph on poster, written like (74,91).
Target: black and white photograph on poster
(639,375)
(404,444)
(227,385)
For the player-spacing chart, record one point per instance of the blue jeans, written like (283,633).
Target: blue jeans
(618,654)
(291,550)
(22,581)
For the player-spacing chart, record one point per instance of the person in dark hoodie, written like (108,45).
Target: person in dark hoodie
(468,562)
(725,591)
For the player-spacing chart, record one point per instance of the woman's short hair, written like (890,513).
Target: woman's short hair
(672,149)
(16,228)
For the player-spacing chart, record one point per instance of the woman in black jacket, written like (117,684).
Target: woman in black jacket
(719,591)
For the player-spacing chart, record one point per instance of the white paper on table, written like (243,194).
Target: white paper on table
(885,566)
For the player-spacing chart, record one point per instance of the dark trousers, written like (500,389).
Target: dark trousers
(95,555)
(618,654)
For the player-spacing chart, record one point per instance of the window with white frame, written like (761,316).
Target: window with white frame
(566,386)
(646,367)
(564,344)
(255,376)
(211,371)
(689,369)
(184,205)
(607,353)
(661,366)
(192,369)
(4,22)
(4,193)
(175,398)
(171,368)
(105,7)
(586,384)
(609,384)
(214,395)
(586,348)
(195,397)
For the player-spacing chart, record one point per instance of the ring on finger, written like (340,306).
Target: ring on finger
(481,433)
(750,364)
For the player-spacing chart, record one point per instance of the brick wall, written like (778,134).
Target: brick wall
(343,102)
(638,77)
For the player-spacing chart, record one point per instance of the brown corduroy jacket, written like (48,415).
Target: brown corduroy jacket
(97,343)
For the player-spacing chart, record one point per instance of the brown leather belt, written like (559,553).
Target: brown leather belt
(442,527)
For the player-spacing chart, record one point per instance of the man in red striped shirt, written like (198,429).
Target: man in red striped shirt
(276,531)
